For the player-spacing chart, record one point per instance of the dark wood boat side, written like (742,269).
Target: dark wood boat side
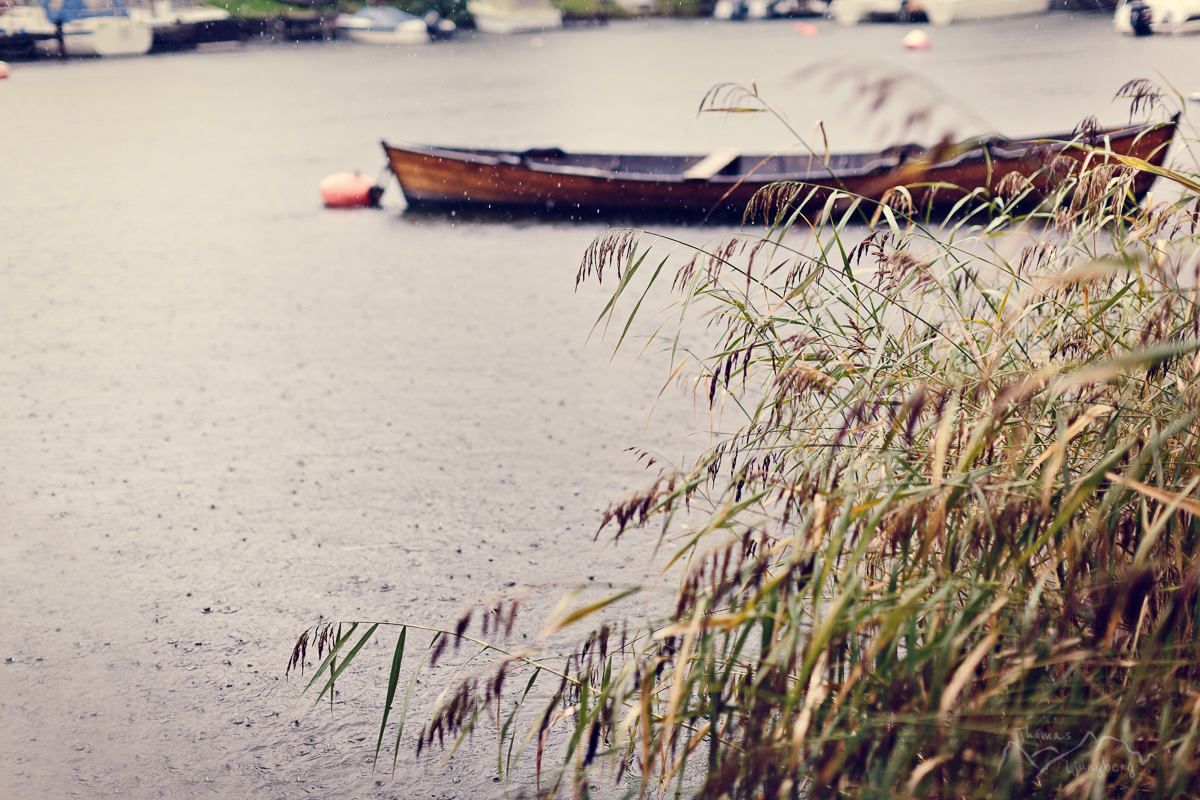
(591,183)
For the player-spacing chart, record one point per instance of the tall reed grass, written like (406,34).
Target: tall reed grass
(949,549)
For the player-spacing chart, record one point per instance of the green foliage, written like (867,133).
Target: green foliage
(951,548)
(455,10)
(253,9)
(686,8)
(592,9)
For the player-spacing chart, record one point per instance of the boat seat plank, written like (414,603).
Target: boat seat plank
(711,164)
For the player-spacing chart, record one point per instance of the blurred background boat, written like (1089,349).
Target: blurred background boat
(768,9)
(383,25)
(1146,17)
(937,12)
(89,27)
(177,24)
(387,25)
(15,40)
(514,16)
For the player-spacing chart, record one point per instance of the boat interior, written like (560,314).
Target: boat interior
(732,165)
(766,168)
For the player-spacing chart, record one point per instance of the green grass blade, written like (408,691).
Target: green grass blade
(335,672)
(412,682)
(393,679)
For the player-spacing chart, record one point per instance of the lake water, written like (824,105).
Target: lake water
(226,411)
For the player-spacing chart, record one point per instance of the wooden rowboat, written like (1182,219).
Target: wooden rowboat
(723,182)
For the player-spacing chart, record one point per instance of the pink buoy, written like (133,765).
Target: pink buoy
(3,70)
(916,40)
(349,190)
(805,28)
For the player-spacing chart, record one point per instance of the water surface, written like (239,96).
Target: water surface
(226,411)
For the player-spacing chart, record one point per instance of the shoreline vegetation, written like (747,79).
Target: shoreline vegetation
(945,543)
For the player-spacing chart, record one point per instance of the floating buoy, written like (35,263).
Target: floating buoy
(349,190)
(806,28)
(3,70)
(916,40)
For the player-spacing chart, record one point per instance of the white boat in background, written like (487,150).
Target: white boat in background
(383,25)
(514,16)
(181,22)
(768,9)
(938,12)
(89,27)
(1144,17)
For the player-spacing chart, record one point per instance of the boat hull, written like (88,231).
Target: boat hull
(383,25)
(182,35)
(539,180)
(505,19)
(101,36)
(938,12)
(392,37)
(178,27)
(1162,16)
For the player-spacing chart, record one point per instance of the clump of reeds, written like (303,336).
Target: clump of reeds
(952,548)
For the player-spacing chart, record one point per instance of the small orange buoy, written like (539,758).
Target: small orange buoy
(349,190)
(805,28)
(916,40)
(3,70)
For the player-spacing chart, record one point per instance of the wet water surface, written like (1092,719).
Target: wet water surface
(226,411)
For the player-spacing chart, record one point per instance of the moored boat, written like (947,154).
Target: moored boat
(182,23)
(768,9)
(723,183)
(89,27)
(384,25)
(18,44)
(514,16)
(1146,17)
(938,12)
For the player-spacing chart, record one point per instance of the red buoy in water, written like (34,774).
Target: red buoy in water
(3,70)
(349,190)
(917,40)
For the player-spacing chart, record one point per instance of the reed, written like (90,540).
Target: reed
(950,547)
